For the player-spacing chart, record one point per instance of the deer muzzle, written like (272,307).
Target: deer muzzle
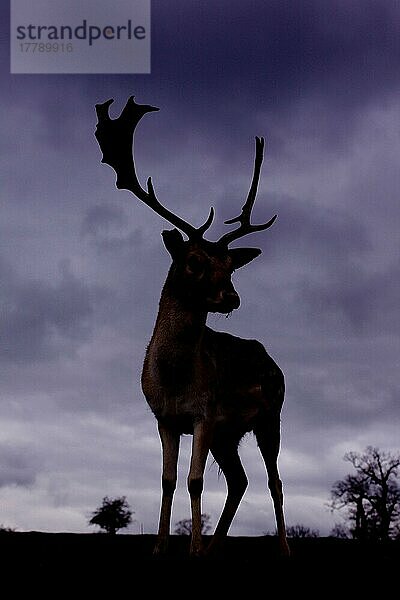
(226,302)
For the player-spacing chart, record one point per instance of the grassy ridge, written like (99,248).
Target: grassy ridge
(49,550)
(58,565)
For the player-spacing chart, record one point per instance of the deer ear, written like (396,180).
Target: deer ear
(173,241)
(242,256)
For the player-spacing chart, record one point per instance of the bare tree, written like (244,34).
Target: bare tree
(352,493)
(114,514)
(301,531)
(371,496)
(184,527)
(340,531)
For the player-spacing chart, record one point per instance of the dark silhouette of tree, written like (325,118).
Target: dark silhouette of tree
(396,531)
(114,514)
(371,496)
(4,529)
(352,492)
(340,532)
(301,531)
(184,527)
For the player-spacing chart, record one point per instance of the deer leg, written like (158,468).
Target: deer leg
(268,439)
(201,444)
(170,449)
(227,457)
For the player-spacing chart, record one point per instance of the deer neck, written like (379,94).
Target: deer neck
(179,327)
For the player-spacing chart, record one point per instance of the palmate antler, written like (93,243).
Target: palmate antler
(115,138)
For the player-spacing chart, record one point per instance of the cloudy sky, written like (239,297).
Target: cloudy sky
(82,264)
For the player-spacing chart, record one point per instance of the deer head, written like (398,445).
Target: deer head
(201,269)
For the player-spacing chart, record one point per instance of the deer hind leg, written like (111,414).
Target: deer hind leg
(226,455)
(170,449)
(268,439)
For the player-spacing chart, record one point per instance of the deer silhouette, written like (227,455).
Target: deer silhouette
(212,385)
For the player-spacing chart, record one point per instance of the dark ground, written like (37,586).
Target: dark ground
(123,562)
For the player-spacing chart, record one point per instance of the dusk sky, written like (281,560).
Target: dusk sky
(82,264)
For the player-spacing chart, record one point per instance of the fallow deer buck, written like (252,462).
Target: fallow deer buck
(197,381)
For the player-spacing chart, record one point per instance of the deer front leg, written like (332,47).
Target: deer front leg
(170,449)
(201,444)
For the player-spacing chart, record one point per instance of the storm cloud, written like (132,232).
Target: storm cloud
(41,321)
(82,264)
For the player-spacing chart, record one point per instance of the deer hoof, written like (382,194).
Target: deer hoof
(160,549)
(197,551)
(284,550)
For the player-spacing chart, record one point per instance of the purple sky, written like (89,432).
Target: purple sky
(82,264)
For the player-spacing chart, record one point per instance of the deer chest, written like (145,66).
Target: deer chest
(177,387)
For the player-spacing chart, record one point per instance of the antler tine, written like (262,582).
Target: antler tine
(115,138)
(244,217)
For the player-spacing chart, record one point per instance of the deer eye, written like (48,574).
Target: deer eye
(195,265)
